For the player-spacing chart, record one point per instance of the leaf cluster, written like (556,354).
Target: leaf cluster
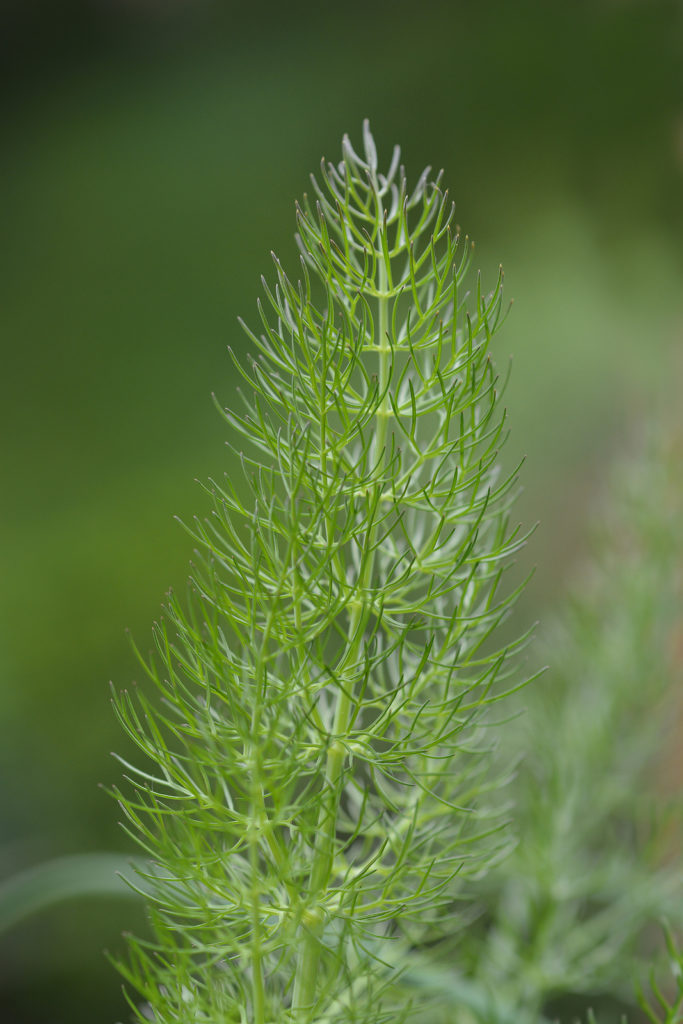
(314,789)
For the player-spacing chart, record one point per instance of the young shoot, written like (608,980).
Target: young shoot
(313,795)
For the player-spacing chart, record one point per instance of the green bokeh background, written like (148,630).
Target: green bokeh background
(151,155)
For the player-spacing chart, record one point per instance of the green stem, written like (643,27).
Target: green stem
(323,857)
(257,983)
(257,818)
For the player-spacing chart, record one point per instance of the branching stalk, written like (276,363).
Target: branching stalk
(319,797)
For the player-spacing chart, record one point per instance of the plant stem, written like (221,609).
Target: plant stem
(321,869)
(258,989)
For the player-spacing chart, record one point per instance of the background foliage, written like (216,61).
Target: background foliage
(152,153)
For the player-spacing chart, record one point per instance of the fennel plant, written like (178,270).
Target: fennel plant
(567,919)
(314,789)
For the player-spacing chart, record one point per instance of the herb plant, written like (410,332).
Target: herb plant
(315,789)
(326,779)
(568,917)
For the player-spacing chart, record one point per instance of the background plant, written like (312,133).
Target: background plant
(598,858)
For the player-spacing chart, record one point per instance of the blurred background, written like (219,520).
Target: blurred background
(152,151)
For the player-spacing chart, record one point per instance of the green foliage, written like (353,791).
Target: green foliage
(595,862)
(326,775)
(316,788)
(64,878)
(663,1007)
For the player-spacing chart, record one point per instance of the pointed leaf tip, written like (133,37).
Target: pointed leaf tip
(369,144)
